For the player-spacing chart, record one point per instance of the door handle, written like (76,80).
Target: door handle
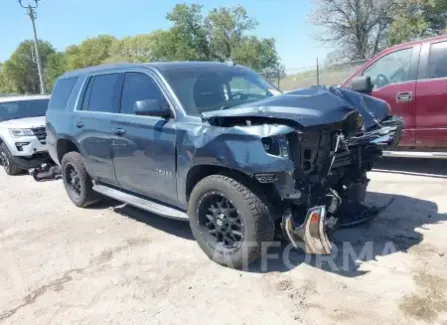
(80,124)
(404,97)
(119,131)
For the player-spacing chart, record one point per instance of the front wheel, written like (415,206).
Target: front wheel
(77,182)
(229,221)
(6,158)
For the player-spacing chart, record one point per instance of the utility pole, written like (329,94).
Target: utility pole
(31,12)
(318,73)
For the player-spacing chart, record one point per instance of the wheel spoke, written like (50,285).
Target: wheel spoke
(236,232)
(221,221)
(229,239)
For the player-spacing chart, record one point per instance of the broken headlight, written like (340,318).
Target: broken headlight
(276,146)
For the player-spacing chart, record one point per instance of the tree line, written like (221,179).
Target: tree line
(220,35)
(355,29)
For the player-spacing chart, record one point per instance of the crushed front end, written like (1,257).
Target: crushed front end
(320,143)
(328,185)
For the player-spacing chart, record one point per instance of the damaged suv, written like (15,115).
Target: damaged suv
(217,145)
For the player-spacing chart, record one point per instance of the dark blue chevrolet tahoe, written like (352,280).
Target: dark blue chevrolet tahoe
(215,144)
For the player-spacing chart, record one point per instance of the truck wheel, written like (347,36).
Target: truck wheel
(229,221)
(5,156)
(76,180)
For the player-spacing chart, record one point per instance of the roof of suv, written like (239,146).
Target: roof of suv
(22,98)
(162,66)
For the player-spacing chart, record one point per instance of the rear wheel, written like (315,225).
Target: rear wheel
(6,159)
(76,180)
(229,221)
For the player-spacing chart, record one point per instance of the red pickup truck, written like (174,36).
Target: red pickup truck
(412,78)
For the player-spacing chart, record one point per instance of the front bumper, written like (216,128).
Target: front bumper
(33,161)
(26,146)
(357,154)
(311,236)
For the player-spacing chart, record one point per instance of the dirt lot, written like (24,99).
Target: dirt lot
(113,264)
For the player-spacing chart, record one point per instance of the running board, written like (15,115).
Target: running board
(415,154)
(141,203)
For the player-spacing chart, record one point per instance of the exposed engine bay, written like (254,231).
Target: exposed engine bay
(331,178)
(338,136)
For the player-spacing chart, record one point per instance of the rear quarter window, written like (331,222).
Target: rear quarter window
(61,93)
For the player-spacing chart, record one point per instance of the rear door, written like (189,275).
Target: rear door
(394,79)
(93,124)
(431,96)
(144,146)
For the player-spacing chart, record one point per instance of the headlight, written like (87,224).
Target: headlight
(21,132)
(276,146)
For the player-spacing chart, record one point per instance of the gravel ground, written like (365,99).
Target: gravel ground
(113,264)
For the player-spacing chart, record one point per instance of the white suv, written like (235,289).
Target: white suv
(23,133)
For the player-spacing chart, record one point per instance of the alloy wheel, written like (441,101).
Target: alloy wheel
(220,222)
(72,179)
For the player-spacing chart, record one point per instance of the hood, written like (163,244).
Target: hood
(313,107)
(25,123)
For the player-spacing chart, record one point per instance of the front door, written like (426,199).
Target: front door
(394,79)
(431,97)
(144,146)
(93,125)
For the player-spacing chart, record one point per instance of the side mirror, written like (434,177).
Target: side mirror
(362,85)
(151,107)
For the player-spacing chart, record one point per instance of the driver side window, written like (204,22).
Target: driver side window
(390,69)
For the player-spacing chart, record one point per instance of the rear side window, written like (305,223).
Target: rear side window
(61,93)
(138,86)
(103,94)
(437,64)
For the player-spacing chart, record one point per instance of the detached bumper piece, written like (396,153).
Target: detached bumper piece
(311,235)
(45,172)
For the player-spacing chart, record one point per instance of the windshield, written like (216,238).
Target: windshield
(24,108)
(201,90)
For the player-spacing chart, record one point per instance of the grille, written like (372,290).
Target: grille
(41,134)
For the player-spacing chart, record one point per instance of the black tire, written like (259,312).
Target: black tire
(258,226)
(10,167)
(79,187)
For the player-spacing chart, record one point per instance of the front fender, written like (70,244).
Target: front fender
(237,148)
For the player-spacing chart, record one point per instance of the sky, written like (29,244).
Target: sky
(66,22)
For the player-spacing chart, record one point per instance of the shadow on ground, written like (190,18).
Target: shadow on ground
(174,227)
(394,230)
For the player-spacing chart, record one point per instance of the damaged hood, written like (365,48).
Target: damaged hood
(305,108)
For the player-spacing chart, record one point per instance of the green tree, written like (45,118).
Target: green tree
(220,35)
(257,54)
(20,71)
(135,49)
(189,26)
(56,66)
(4,85)
(418,18)
(226,28)
(170,45)
(92,51)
